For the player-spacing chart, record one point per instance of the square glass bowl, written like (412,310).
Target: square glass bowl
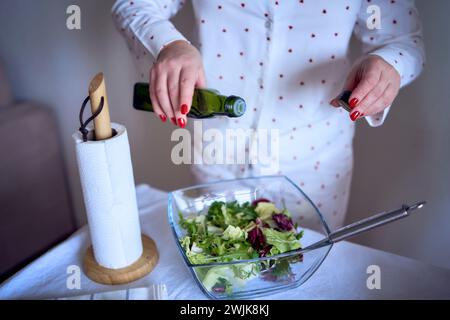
(260,276)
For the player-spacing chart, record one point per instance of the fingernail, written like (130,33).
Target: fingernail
(163,117)
(184,109)
(353,102)
(334,103)
(173,120)
(181,122)
(355,115)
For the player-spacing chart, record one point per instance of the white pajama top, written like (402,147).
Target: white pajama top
(287,59)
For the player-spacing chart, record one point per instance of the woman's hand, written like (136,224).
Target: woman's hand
(374,84)
(173,78)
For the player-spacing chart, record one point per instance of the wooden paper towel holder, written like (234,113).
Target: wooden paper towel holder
(143,266)
(149,258)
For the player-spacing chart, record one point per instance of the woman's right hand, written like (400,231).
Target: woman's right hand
(173,78)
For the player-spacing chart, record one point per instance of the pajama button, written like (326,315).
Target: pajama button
(268,24)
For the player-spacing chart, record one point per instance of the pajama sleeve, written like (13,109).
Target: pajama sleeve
(145,24)
(398,40)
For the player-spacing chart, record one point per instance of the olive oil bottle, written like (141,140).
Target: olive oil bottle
(206,103)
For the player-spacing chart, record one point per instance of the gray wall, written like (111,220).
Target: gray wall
(405,160)
(408,158)
(48,63)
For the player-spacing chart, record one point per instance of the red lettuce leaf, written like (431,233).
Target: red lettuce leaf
(283,221)
(255,202)
(257,238)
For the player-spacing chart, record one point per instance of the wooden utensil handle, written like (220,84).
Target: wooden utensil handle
(102,123)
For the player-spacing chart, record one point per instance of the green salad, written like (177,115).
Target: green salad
(231,232)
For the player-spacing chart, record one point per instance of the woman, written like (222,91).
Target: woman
(288,60)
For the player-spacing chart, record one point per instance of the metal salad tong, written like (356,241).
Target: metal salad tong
(364,225)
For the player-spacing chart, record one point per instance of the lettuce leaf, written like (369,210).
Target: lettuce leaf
(283,221)
(221,214)
(234,233)
(281,241)
(265,210)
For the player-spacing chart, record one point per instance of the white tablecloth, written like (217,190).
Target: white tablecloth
(341,276)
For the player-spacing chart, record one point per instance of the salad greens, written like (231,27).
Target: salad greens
(230,232)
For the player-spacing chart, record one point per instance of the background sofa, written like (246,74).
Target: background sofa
(35,208)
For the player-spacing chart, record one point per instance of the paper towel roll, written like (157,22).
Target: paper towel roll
(109,196)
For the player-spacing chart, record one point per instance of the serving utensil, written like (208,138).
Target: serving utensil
(364,225)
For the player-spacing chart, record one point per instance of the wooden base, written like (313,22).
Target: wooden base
(143,266)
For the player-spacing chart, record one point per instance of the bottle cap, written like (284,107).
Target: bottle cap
(343,100)
(235,106)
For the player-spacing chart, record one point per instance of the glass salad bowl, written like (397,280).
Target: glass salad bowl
(260,275)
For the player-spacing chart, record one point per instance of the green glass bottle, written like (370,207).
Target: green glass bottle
(206,103)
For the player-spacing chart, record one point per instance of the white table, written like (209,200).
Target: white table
(341,276)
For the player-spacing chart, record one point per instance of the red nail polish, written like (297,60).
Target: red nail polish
(355,115)
(173,120)
(353,102)
(181,122)
(163,117)
(184,109)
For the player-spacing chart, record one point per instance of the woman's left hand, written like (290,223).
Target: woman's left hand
(374,84)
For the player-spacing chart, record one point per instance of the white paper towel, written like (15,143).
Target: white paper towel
(110,199)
